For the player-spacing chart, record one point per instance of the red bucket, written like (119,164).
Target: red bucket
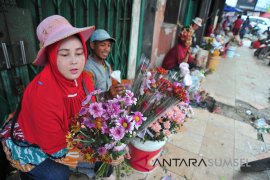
(144,154)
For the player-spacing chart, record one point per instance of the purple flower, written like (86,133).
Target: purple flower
(83,111)
(96,109)
(138,118)
(102,151)
(129,100)
(127,123)
(158,96)
(110,146)
(119,148)
(117,133)
(88,122)
(113,109)
(129,93)
(105,129)
(87,100)
(95,92)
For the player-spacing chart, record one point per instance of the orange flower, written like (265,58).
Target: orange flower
(161,70)
(99,123)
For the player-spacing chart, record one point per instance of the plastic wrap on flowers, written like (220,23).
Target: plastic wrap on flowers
(156,92)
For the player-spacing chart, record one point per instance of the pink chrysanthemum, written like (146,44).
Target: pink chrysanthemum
(119,148)
(138,118)
(96,109)
(102,151)
(113,109)
(117,133)
(167,124)
(110,146)
(127,123)
(156,127)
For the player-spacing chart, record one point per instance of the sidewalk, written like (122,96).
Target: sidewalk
(213,137)
(243,77)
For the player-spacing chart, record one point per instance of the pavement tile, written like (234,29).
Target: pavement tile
(179,167)
(222,121)
(245,129)
(212,148)
(220,134)
(197,124)
(212,173)
(159,173)
(249,145)
(187,141)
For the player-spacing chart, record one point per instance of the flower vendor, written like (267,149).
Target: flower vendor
(183,51)
(179,53)
(98,67)
(34,140)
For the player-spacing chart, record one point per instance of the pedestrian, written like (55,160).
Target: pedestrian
(267,33)
(98,66)
(245,27)
(237,25)
(35,139)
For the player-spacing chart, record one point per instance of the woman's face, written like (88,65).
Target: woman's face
(101,49)
(71,58)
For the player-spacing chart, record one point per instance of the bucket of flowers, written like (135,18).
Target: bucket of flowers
(156,93)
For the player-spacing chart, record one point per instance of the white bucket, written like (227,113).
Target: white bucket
(230,51)
(148,145)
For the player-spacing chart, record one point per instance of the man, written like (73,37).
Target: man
(245,27)
(100,69)
(237,25)
(196,23)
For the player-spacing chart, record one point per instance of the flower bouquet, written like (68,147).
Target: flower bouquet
(156,93)
(215,44)
(102,129)
(170,123)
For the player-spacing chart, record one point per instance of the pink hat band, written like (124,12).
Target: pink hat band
(55,28)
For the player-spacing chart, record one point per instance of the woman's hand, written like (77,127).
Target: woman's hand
(117,161)
(117,89)
(120,159)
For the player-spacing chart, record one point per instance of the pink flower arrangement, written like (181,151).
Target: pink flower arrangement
(168,124)
(102,129)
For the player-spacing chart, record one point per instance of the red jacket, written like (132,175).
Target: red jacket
(175,56)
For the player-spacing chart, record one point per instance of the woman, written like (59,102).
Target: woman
(180,52)
(37,143)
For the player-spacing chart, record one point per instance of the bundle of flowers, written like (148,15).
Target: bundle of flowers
(102,129)
(156,93)
(168,124)
(214,44)
(198,98)
(185,36)
(196,94)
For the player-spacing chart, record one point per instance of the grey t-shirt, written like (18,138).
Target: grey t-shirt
(101,74)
